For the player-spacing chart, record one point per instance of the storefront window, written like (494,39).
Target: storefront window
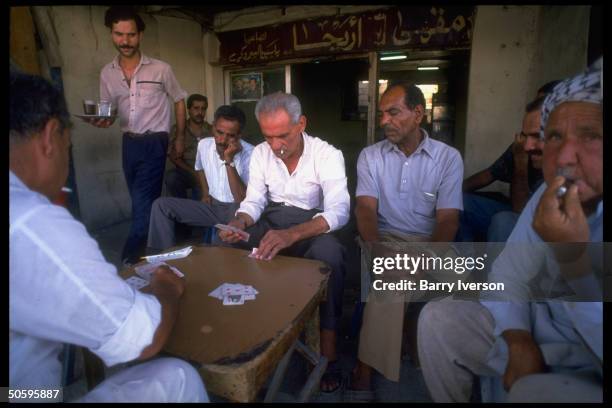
(245,87)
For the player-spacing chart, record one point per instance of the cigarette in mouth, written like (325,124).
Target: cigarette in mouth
(66,190)
(565,172)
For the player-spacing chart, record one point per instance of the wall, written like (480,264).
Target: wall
(85,47)
(515,49)
(321,89)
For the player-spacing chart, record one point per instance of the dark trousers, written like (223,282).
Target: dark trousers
(476,216)
(144,162)
(324,247)
(178,181)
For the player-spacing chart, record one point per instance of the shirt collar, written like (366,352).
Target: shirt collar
(426,145)
(143,60)
(307,144)
(14,180)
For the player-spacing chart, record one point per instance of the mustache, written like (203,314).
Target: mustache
(535,152)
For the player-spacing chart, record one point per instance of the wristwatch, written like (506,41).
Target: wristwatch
(232,164)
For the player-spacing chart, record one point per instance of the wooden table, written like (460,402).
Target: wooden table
(238,347)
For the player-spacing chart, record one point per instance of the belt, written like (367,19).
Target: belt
(136,135)
(274,204)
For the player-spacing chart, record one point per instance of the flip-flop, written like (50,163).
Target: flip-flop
(333,372)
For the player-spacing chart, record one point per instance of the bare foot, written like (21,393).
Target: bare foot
(361,376)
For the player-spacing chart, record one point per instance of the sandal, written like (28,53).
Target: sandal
(333,373)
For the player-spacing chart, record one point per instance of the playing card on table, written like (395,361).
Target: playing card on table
(249,290)
(223,227)
(145,271)
(233,289)
(230,300)
(179,253)
(235,293)
(217,292)
(254,255)
(136,282)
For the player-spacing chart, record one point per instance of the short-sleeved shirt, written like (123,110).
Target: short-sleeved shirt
(143,105)
(214,169)
(503,168)
(191,142)
(410,189)
(318,181)
(63,291)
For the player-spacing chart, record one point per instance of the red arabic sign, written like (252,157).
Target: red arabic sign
(387,29)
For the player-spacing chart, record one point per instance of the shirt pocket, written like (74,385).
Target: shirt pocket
(150,94)
(424,204)
(312,192)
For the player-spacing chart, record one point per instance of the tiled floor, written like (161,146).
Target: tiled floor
(410,388)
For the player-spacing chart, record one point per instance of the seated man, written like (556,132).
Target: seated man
(222,164)
(485,218)
(297,196)
(184,176)
(61,288)
(409,189)
(542,351)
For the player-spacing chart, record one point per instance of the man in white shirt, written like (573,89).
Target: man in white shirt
(296,196)
(61,288)
(222,166)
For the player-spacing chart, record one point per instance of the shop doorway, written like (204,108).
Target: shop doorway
(443,78)
(336,113)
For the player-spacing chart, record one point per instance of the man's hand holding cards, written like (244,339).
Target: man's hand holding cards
(231,233)
(147,273)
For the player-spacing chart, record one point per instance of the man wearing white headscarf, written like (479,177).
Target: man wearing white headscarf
(525,350)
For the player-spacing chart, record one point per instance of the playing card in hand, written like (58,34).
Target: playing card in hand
(145,271)
(136,282)
(243,235)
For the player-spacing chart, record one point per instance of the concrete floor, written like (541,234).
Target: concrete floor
(410,388)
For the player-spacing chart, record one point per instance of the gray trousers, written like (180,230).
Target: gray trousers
(324,247)
(454,339)
(167,211)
